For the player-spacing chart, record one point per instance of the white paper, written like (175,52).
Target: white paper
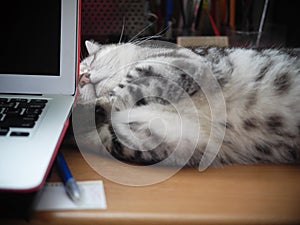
(54,197)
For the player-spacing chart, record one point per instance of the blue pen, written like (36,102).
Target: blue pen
(71,186)
(169,9)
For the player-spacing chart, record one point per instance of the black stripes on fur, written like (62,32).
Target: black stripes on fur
(263,71)
(282,83)
(264,149)
(275,123)
(250,124)
(251,100)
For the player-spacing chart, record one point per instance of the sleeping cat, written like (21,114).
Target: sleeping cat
(155,102)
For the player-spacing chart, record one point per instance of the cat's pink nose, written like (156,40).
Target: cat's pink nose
(84,79)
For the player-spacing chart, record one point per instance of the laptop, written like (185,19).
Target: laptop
(38,67)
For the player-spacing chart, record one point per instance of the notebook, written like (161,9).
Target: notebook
(38,67)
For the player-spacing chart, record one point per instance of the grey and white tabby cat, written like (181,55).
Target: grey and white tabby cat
(152,99)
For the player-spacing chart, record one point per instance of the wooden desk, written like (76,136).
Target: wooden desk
(232,195)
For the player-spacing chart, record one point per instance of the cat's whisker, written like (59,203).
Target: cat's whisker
(143,30)
(158,35)
(122,32)
(163,31)
(137,40)
(81,56)
(144,39)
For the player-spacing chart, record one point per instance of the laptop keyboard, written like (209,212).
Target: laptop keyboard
(19,113)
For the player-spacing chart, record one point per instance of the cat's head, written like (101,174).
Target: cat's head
(104,67)
(98,57)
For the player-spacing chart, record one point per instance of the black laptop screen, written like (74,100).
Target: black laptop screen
(30,37)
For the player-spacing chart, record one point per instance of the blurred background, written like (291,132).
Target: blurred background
(249,23)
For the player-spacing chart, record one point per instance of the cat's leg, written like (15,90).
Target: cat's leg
(145,91)
(184,74)
(166,84)
(153,133)
(150,81)
(187,75)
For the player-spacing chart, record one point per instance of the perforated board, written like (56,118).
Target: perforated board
(106,17)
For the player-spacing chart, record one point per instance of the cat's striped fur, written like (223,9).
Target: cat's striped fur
(140,90)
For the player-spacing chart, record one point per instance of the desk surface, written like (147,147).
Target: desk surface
(268,194)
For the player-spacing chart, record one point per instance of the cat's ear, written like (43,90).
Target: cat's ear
(92,47)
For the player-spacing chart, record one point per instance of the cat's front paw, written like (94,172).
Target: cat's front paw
(84,79)
(139,71)
(134,76)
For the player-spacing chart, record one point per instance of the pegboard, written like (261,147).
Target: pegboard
(106,17)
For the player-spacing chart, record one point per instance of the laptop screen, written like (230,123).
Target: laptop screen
(30,33)
(39,46)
